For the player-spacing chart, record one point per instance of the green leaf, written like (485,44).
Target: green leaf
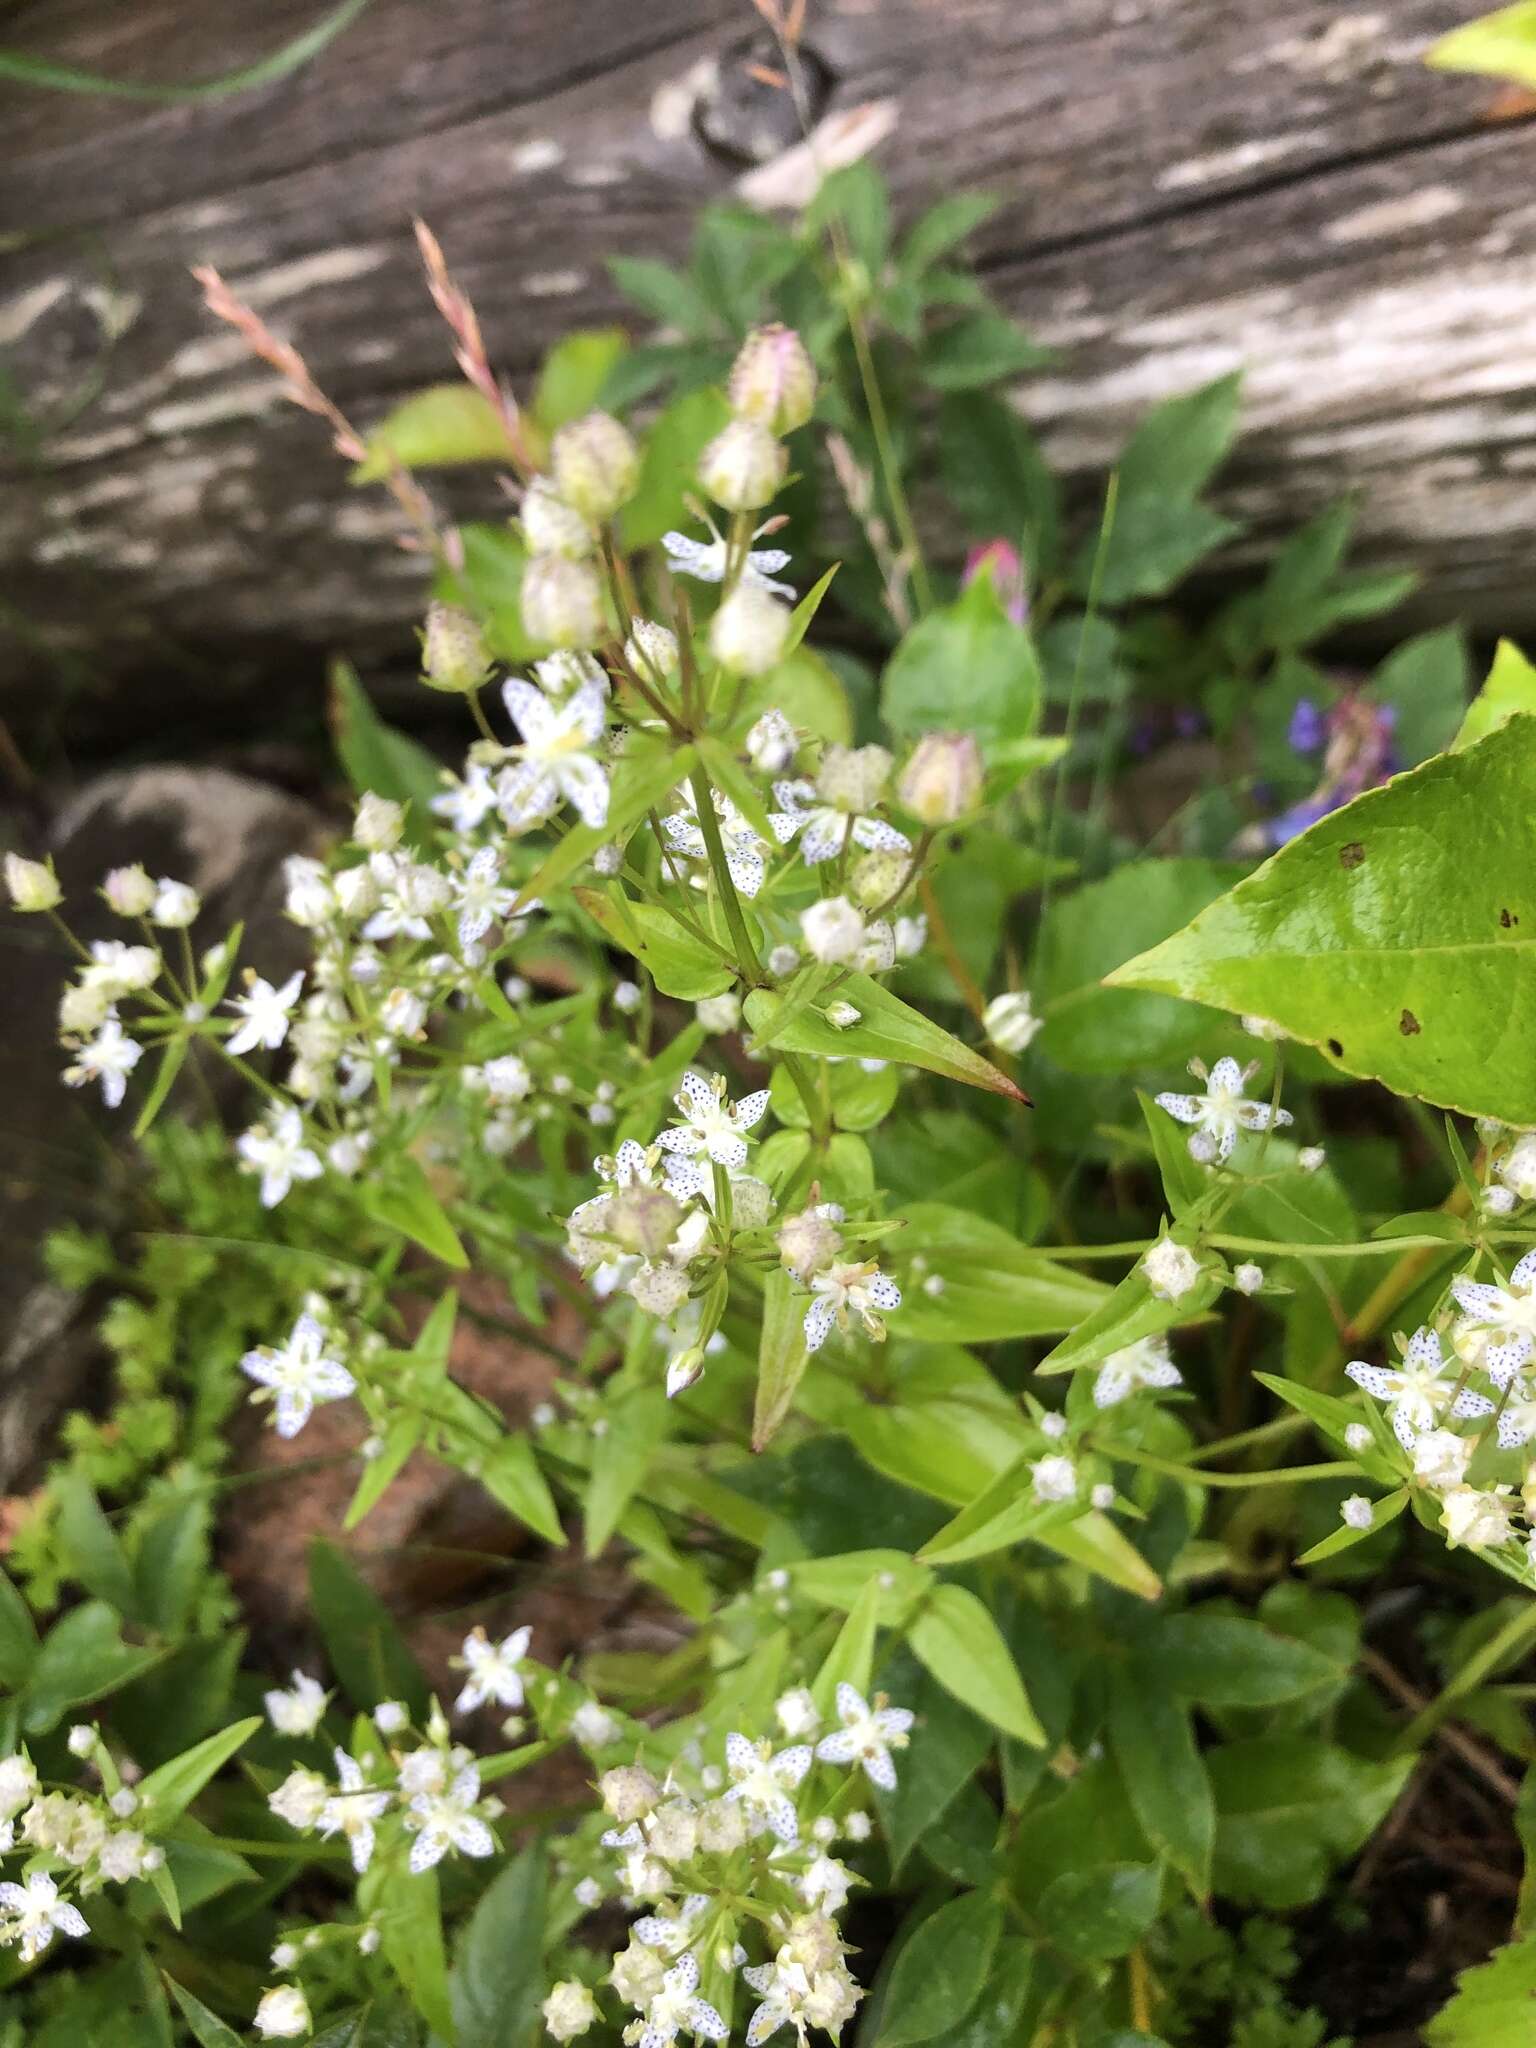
(1425,683)
(1165,1779)
(380,1473)
(1289,1809)
(1375,938)
(1094,1542)
(172,1563)
(406,1202)
(671,455)
(366,1649)
(964,668)
(18,1637)
(957,1640)
(642,781)
(1101,1913)
(1004,1514)
(1493,2003)
(169,1790)
(1383,1511)
(994,1286)
(888,1029)
(498,1968)
(951,1745)
(841,1581)
(83,1658)
(377,758)
(940,1972)
(442,427)
(943,1424)
(511,1475)
(1510,687)
(1132,1312)
(574,373)
(678,963)
(1500,45)
(1224,1661)
(1180,443)
(984,348)
(92,1552)
(781,1357)
(208,2030)
(172,1058)
(943,227)
(621,1456)
(283,62)
(851,1657)
(411,1930)
(999,480)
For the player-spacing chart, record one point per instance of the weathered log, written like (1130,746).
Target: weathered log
(1189,185)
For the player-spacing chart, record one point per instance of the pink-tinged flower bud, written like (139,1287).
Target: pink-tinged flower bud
(684,1370)
(743,466)
(129,891)
(551,526)
(942,781)
(453,651)
(750,631)
(772,380)
(562,602)
(1000,560)
(32,883)
(808,1242)
(596,465)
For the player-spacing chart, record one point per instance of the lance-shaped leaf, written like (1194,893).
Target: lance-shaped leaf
(781,1357)
(1398,935)
(888,1029)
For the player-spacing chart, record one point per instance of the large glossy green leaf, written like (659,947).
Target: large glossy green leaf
(940,1972)
(1225,1661)
(888,1029)
(965,668)
(18,1637)
(1378,937)
(679,964)
(957,1640)
(1289,1808)
(671,452)
(1103,1911)
(574,373)
(952,1746)
(439,428)
(1494,2003)
(497,1965)
(377,758)
(1510,685)
(407,1202)
(83,1658)
(1165,1780)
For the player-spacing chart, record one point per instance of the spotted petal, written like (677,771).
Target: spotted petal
(819,1318)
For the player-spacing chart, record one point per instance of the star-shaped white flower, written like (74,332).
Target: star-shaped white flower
(277,1152)
(480,896)
(449,1820)
(118,969)
(467,804)
(867,1736)
(762,1783)
(711,1124)
(1420,1390)
(352,1811)
(493,1670)
(31,1914)
(824,829)
(743,849)
(1146,1363)
(677,2008)
(705,562)
(298,1374)
(845,1287)
(1517,1416)
(110,1057)
(1221,1112)
(297,1711)
(557,758)
(1498,1324)
(264,1011)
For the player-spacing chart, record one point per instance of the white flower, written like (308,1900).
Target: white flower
(743,849)
(300,1799)
(1418,1391)
(1248,1278)
(176,904)
(825,828)
(797,1713)
(283,2014)
(677,2007)
(1517,1415)
(825,1884)
(409,892)
(627,997)
(448,1820)
(32,1913)
(117,969)
(1499,1201)
(467,804)
(299,1374)
(352,1810)
(832,929)
(1310,1158)
(128,891)
(1358,1438)
(298,1711)
(402,1013)
(593,1726)
(110,1057)
(308,898)
(1146,1363)
(278,1153)
(705,562)
(1171,1269)
(719,1013)
(762,1782)
(1356,1512)
(843,1286)
(380,822)
(1480,1520)
(911,935)
(1221,1111)
(507,1078)
(480,896)
(1517,1169)
(867,1736)
(569,2010)
(1498,1324)
(33,884)
(1009,1020)
(264,1010)
(18,1785)
(557,755)
(493,1670)
(771,743)
(125,1855)
(391,1716)
(1053,1478)
(711,1124)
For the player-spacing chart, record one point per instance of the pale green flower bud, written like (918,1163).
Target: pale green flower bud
(562,602)
(32,883)
(552,527)
(878,876)
(942,781)
(743,467)
(644,1220)
(628,1792)
(651,650)
(773,380)
(1010,1022)
(129,891)
(596,465)
(453,650)
(808,1243)
(853,778)
(380,821)
(750,631)
(568,2011)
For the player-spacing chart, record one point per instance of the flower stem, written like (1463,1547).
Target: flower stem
(746,953)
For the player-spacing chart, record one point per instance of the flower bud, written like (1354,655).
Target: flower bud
(453,650)
(852,779)
(283,2014)
(772,380)
(942,781)
(596,465)
(32,883)
(808,1242)
(999,560)
(380,822)
(1248,1278)
(771,743)
(551,526)
(1010,1022)
(644,1220)
(628,1793)
(743,467)
(558,674)
(877,876)
(129,892)
(719,1013)
(842,1016)
(176,904)
(833,930)
(651,651)
(659,1290)
(81,1739)
(562,602)
(568,2011)
(684,1370)
(750,631)
(357,891)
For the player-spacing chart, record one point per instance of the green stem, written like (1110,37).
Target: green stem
(1517,1634)
(1246,1439)
(1281,1476)
(709,824)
